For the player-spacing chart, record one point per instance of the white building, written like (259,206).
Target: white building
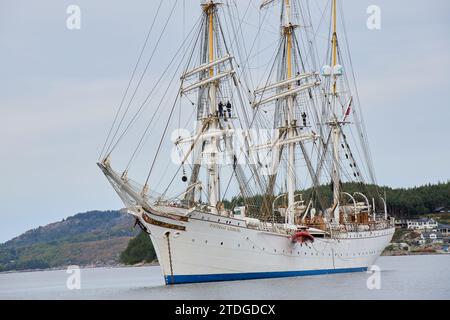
(431,237)
(421,224)
(444,229)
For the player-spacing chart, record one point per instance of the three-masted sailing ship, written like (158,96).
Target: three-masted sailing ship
(270,227)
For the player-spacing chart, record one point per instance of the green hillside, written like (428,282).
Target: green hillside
(139,249)
(401,202)
(90,238)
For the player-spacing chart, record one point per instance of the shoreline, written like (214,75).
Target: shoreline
(155,263)
(61,268)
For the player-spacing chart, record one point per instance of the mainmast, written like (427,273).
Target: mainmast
(291,126)
(335,124)
(287,94)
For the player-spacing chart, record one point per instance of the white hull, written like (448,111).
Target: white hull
(212,250)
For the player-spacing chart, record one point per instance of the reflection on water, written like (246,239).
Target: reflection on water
(410,277)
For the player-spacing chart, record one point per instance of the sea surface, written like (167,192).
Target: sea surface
(401,277)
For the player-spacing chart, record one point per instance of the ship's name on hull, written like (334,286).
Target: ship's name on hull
(226,228)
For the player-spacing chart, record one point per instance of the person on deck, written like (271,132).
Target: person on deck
(220,109)
(298,81)
(229,108)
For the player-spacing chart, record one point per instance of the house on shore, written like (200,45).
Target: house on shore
(442,210)
(421,224)
(401,223)
(431,237)
(444,229)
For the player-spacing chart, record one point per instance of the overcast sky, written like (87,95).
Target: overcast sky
(59,89)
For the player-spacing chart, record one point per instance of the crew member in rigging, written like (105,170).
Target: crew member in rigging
(220,109)
(229,108)
(304,118)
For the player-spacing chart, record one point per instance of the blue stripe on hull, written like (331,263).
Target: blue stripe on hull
(194,278)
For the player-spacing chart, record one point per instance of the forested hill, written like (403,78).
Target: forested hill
(401,202)
(406,202)
(90,238)
(418,200)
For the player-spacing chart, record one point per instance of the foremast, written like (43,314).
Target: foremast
(213,177)
(213,80)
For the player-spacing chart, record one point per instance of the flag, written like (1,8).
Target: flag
(349,109)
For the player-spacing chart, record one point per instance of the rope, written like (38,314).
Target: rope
(140,143)
(149,94)
(170,257)
(140,81)
(161,141)
(131,79)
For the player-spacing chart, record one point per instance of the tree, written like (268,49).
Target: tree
(139,249)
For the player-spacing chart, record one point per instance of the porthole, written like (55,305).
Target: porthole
(221,243)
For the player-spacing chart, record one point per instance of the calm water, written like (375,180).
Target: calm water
(410,277)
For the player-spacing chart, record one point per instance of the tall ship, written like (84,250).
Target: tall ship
(274,180)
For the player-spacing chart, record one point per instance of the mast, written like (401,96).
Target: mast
(213,177)
(291,176)
(214,124)
(334,43)
(290,85)
(335,122)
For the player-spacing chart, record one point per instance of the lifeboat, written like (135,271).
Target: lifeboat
(302,236)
